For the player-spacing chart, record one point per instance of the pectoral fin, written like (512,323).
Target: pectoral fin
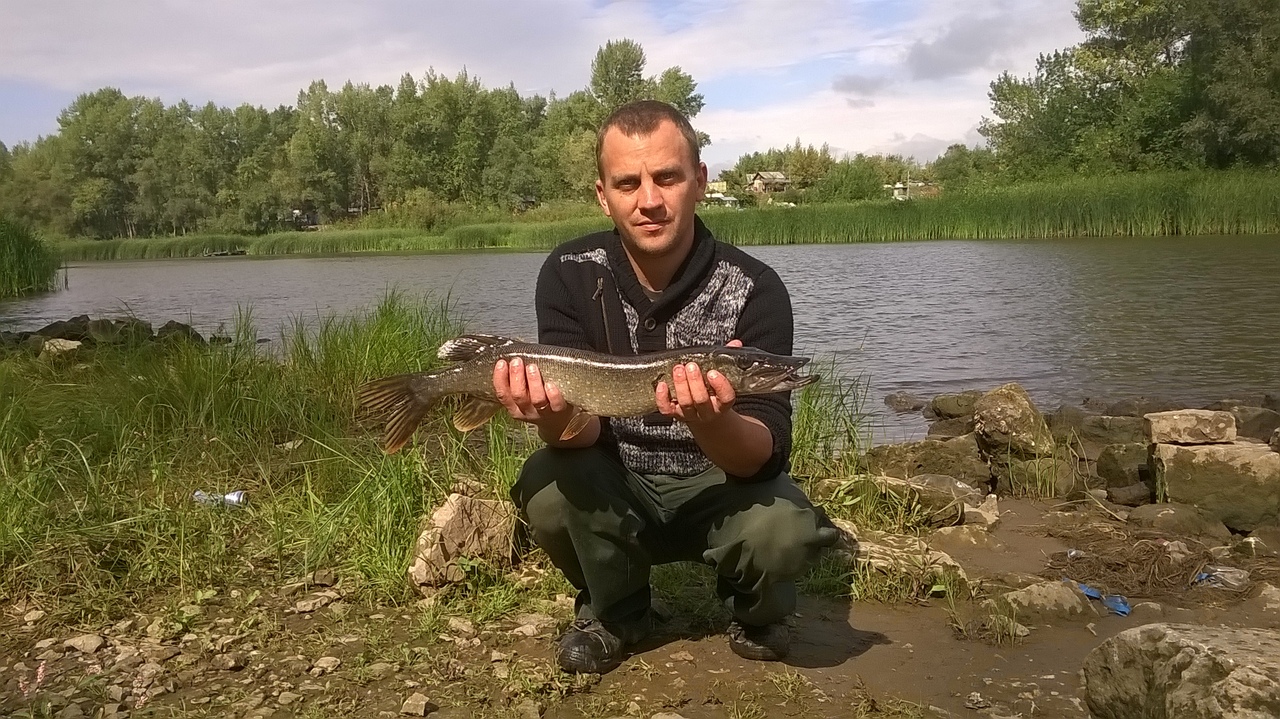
(576,424)
(473,413)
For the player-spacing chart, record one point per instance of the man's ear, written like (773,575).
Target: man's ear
(702,181)
(600,197)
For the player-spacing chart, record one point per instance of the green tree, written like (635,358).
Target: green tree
(849,180)
(617,74)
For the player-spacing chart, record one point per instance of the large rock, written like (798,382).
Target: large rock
(1190,426)
(129,330)
(1271,402)
(75,329)
(904,402)
(1275,441)
(1256,422)
(895,554)
(1009,425)
(1046,602)
(950,406)
(173,330)
(943,496)
(1238,484)
(957,458)
(58,347)
(1134,495)
(1122,465)
(1139,406)
(1180,520)
(463,527)
(1182,671)
(1089,434)
(950,428)
(1045,477)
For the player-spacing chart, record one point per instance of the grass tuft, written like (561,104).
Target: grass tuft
(27,264)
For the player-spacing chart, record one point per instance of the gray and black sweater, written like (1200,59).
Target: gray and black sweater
(588,297)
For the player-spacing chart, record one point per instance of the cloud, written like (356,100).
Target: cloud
(859,84)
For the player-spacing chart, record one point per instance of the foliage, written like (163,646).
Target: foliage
(424,152)
(26,263)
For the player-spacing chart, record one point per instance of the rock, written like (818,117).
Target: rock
(1179,520)
(1146,612)
(57,347)
(325,665)
(287,698)
(71,711)
(177,331)
(895,553)
(316,601)
(1088,434)
(1267,541)
(1045,477)
(1139,407)
(949,428)
(951,406)
(417,705)
(1266,600)
(1009,425)
(323,578)
(1122,465)
(459,625)
(380,670)
(87,643)
(944,497)
(75,329)
(1135,495)
(904,402)
(229,662)
(34,615)
(1275,441)
(463,527)
(1237,484)
(1045,602)
(1185,671)
(985,515)
(1189,426)
(1256,422)
(957,458)
(950,539)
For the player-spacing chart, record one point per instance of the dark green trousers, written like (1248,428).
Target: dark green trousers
(604,526)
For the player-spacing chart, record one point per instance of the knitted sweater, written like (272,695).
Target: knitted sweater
(589,297)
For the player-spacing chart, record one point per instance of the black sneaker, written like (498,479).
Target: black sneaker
(767,643)
(588,647)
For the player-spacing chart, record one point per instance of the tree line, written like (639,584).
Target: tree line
(132,166)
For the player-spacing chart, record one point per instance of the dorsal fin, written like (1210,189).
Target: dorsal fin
(461,349)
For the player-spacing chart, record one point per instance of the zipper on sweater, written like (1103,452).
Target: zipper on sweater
(604,317)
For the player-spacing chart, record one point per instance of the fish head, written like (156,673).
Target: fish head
(753,371)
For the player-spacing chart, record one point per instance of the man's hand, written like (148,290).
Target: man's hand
(697,400)
(520,388)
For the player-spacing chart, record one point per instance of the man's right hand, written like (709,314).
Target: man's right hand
(520,388)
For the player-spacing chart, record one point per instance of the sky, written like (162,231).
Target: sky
(905,76)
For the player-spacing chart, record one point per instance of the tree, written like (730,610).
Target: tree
(617,74)
(849,180)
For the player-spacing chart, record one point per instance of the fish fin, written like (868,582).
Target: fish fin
(576,424)
(460,349)
(397,397)
(474,413)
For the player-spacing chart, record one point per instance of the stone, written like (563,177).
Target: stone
(1008,425)
(1135,495)
(460,625)
(949,428)
(87,643)
(176,331)
(1275,441)
(1256,422)
(57,347)
(1189,426)
(316,601)
(985,515)
(1266,600)
(380,670)
(34,615)
(969,536)
(323,578)
(1180,520)
(463,527)
(229,662)
(1046,602)
(1044,477)
(1266,541)
(287,698)
(894,553)
(529,709)
(1185,671)
(957,458)
(1146,612)
(904,402)
(1139,406)
(951,406)
(417,705)
(1089,434)
(71,711)
(324,665)
(75,329)
(942,496)
(1237,484)
(1122,465)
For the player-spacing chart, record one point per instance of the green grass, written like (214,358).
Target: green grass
(1192,203)
(27,264)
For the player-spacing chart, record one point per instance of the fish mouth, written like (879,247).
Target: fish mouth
(780,379)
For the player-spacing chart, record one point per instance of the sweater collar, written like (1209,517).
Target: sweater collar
(688,276)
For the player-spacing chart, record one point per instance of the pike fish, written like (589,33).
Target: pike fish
(594,383)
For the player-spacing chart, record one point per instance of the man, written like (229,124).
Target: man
(704,478)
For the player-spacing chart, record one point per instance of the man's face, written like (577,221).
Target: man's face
(651,187)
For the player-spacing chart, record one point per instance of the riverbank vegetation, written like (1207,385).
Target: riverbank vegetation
(27,264)
(1160,122)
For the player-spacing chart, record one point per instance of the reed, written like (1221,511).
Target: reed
(27,264)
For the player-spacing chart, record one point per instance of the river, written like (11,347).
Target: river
(1191,319)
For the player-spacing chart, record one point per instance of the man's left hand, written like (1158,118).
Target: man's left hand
(699,399)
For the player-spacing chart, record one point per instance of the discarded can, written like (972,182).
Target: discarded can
(238,498)
(1074,554)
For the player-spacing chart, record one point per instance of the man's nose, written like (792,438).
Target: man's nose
(650,197)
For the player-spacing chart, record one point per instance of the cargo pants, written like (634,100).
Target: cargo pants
(604,526)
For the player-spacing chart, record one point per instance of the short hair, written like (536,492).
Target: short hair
(641,118)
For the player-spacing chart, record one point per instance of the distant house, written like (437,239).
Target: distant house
(721,186)
(913,190)
(768,181)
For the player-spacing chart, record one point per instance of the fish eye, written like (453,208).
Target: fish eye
(744,362)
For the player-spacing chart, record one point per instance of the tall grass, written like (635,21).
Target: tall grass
(27,264)
(1193,203)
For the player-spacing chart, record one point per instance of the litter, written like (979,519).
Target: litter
(1116,603)
(238,498)
(1223,577)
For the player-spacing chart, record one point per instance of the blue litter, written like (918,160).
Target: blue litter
(1116,603)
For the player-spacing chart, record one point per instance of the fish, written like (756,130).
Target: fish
(594,383)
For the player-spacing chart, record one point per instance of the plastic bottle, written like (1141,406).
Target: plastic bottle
(238,498)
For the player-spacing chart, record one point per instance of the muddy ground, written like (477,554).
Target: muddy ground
(250,653)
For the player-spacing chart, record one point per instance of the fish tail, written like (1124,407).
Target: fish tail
(402,399)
